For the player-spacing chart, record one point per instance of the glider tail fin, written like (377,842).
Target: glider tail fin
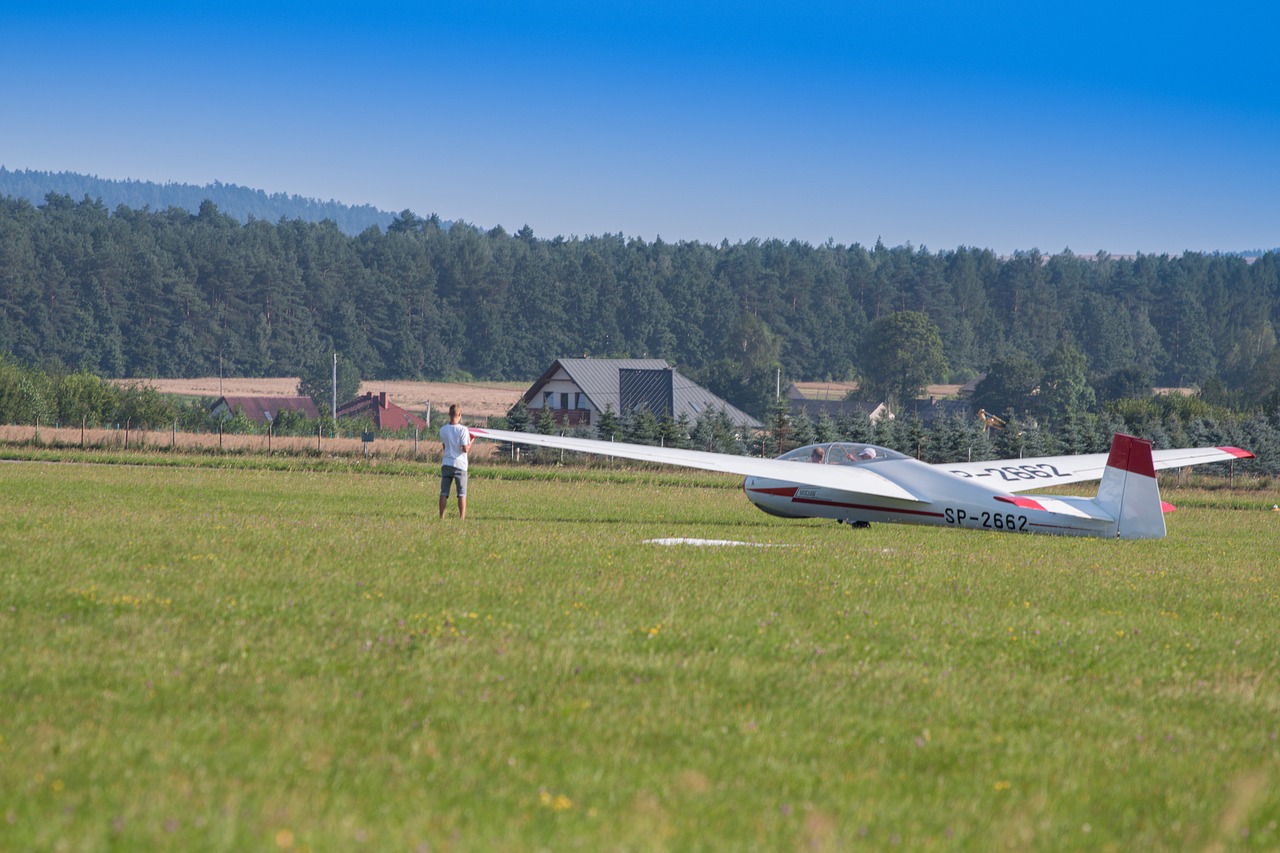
(1129,492)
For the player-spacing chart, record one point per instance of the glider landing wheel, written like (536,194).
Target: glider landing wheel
(856,525)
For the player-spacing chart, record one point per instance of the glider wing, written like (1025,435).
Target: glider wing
(857,479)
(1022,475)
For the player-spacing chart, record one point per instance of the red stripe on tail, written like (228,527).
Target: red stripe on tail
(1131,454)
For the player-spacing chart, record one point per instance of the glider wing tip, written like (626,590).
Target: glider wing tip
(1237,452)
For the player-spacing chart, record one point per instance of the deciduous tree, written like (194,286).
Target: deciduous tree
(901,354)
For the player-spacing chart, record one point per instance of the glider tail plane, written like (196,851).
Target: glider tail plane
(1129,492)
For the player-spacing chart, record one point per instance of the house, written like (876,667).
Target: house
(834,409)
(384,414)
(930,410)
(262,409)
(578,390)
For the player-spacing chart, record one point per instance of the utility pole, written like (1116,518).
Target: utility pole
(335,388)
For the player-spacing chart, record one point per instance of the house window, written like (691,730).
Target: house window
(546,400)
(579,400)
(564,400)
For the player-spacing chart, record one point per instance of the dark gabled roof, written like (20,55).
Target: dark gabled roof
(693,398)
(599,380)
(597,377)
(968,389)
(257,408)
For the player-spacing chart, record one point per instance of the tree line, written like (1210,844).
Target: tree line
(35,396)
(148,293)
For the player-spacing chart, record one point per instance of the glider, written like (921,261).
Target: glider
(859,484)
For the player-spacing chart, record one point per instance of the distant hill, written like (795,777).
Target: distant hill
(241,203)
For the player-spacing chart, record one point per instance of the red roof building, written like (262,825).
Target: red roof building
(385,414)
(262,409)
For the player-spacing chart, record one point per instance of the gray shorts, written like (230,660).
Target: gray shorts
(449,475)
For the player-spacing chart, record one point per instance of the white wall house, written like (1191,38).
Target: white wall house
(578,390)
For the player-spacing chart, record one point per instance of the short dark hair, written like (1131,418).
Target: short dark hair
(453,409)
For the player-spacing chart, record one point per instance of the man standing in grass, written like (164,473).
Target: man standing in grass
(456,440)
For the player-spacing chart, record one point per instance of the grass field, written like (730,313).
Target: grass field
(218,659)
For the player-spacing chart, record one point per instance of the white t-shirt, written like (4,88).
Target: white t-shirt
(454,437)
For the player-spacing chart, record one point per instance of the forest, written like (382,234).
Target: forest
(151,293)
(241,203)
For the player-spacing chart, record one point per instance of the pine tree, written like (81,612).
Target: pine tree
(1010,442)
(609,428)
(681,432)
(546,423)
(643,427)
(856,426)
(938,440)
(778,427)
(518,419)
(826,429)
(803,431)
(910,437)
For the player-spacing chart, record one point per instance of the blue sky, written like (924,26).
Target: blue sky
(1128,127)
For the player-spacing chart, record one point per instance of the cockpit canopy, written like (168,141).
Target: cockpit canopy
(841,453)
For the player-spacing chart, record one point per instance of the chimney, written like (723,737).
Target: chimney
(382,399)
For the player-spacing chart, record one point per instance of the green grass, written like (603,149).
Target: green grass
(245,659)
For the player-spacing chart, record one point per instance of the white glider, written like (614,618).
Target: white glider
(859,484)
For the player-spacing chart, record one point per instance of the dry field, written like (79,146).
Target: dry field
(426,448)
(837,390)
(478,399)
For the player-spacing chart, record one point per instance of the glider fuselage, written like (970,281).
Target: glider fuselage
(968,503)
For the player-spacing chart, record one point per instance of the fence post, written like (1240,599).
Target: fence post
(83,418)
(126,434)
